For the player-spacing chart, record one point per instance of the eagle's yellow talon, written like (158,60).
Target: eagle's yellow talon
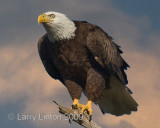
(76,104)
(87,107)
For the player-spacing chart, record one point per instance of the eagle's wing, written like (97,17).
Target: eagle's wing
(106,53)
(116,99)
(47,62)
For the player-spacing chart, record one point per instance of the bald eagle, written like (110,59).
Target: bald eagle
(85,59)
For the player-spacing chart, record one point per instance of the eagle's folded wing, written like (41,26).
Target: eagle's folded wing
(107,53)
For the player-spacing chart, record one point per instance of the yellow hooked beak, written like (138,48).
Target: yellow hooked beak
(43,19)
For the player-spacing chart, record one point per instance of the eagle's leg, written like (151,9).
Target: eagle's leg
(93,89)
(87,107)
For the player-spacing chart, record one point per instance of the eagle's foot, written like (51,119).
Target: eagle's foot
(87,107)
(76,104)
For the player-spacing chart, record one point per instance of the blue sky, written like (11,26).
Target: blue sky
(141,8)
(25,87)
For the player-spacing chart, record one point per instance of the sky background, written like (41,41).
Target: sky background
(26,88)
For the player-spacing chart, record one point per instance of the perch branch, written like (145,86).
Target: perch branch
(74,114)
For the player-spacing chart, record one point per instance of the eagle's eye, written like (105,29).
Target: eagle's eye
(52,15)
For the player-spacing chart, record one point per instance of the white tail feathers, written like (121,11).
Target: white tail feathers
(116,99)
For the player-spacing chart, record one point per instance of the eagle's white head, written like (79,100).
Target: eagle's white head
(57,25)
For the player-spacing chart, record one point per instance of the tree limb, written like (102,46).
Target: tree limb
(74,114)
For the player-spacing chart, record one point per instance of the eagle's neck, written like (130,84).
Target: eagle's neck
(64,30)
